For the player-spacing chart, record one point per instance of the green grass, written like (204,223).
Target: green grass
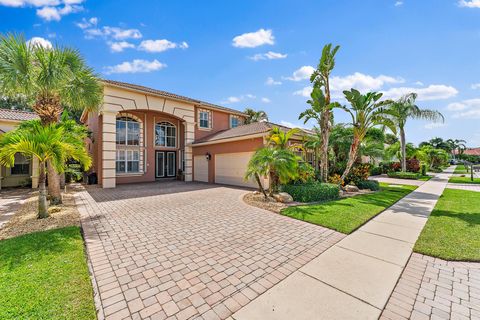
(460,169)
(44,275)
(465,179)
(347,214)
(453,230)
(425,178)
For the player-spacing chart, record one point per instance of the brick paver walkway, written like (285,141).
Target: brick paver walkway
(431,288)
(180,251)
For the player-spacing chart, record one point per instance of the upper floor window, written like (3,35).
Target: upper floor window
(165,135)
(21,165)
(204,119)
(128,131)
(234,121)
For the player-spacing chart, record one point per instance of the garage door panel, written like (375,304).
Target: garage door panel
(230,169)
(200,168)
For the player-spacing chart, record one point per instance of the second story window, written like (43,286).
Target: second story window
(128,145)
(165,135)
(204,119)
(234,121)
(128,131)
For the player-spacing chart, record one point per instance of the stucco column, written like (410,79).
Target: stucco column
(189,138)
(108,149)
(35,173)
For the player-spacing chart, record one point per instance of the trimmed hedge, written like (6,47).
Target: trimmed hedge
(375,171)
(405,175)
(312,192)
(369,184)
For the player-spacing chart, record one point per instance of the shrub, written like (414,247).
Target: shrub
(386,166)
(369,184)
(424,169)
(359,172)
(396,166)
(375,171)
(314,191)
(404,175)
(306,173)
(336,179)
(413,165)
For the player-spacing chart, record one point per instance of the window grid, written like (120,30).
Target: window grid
(128,140)
(205,119)
(165,135)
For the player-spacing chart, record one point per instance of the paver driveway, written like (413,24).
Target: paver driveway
(186,250)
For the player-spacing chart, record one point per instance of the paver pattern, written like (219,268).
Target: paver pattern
(431,288)
(185,250)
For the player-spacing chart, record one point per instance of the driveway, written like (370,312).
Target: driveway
(188,250)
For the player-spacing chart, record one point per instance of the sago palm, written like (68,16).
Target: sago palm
(46,143)
(366,111)
(404,109)
(49,79)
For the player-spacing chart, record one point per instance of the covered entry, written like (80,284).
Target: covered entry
(165,164)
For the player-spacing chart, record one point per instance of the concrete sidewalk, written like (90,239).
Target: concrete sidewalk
(354,278)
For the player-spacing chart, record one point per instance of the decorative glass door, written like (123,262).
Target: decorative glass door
(165,164)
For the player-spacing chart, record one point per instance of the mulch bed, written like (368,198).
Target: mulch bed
(25,219)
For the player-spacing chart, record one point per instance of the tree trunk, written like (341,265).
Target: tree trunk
(325,131)
(54,185)
(403,150)
(273,183)
(352,155)
(42,193)
(260,186)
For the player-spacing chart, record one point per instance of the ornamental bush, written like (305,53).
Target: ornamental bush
(312,192)
(405,175)
(360,172)
(369,184)
(413,165)
(375,171)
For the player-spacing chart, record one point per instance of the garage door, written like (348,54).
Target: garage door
(200,168)
(230,169)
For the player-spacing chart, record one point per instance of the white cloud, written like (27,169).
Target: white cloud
(113,32)
(305,92)
(435,125)
(31,3)
(418,83)
(293,125)
(398,3)
(56,13)
(475,86)
(236,99)
(432,92)
(39,41)
(266,100)
(120,46)
(232,100)
(270,55)
(135,66)
(469,109)
(84,24)
(457,106)
(160,45)
(361,82)
(271,82)
(302,73)
(469,3)
(254,39)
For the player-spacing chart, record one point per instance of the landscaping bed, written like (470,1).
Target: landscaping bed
(348,214)
(409,176)
(452,231)
(464,180)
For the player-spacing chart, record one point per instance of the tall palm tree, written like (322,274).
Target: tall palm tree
(366,111)
(280,139)
(321,105)
(404,109)
(456,145)
(49,79)
(52,143)
(255,116)
(279,164)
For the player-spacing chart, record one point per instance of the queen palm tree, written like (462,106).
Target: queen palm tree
(366,111)
(47,143)
(49,79)
(321,105)
(255,116)
(279,164)
(456,145)
(404,109)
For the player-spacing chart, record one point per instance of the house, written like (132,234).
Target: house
(469,151)
(142,134)
(25,171)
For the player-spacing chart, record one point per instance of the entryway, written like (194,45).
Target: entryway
(165,164)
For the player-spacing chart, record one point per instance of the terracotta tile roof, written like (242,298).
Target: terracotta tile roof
(243,131)
(472,151)
(17,115)
(169,95)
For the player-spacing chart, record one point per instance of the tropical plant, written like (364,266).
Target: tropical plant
(456,145)
(394,151)
(52,143)
(437,143)
(314,142)
(280,139)
(433,157)
(255,116)
(321,105)
(366,111)
(279,164)
(48,79)
(404,109)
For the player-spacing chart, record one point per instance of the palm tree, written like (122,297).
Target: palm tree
(314,142)
(395,151)
(456,145)
(366,111)
(404,109)
(49,79)
(321,105)
(280,139)
(432,156)
(255,116)
(279,164)
(47,143)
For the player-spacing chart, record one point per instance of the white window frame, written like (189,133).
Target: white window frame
(125,152)
(165,125)
(208,113)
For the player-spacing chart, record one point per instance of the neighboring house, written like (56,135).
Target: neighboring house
(142,134)
(470,151)
(25,171)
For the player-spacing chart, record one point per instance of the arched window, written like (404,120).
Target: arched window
(165,135)
(128,145)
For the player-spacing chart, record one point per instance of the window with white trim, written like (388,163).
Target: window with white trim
(128,145)
(234,121)
(165,135)
(204,119)
(21,165)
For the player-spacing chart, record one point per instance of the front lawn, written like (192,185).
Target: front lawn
(460,169)
(347,214)
(44,275)
(465,179)
(452,231)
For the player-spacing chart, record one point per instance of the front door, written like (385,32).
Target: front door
(165,164)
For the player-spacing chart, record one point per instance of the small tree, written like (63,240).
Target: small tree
(280,139)
(52,143)
(255,116)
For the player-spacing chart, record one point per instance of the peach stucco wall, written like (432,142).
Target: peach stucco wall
(220,121)
(246,145)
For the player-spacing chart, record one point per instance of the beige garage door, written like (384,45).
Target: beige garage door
(230,169)
(200,168)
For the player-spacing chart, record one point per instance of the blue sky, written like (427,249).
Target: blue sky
(259,53)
